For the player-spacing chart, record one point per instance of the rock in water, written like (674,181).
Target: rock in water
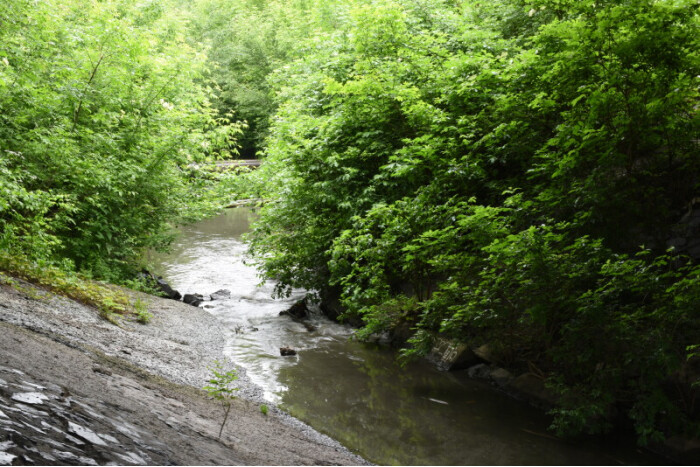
(223,294)
(193,299)
(298,310)
(167,290)
(449,355)
(159,283)
(287,351)
(501,376)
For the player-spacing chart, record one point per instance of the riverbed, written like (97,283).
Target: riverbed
(357,393)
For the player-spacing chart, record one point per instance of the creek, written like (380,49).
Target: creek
(357,393)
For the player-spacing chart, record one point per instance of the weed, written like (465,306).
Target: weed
(219,388)
(143,316)
(110,301)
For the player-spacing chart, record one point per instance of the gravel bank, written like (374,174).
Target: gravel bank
(142,377)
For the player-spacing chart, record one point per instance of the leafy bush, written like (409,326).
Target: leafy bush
(101,107)
(489,172)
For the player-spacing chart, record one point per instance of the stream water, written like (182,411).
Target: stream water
(356,393)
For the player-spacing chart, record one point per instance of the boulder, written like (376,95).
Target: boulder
(532,387)
(287,351)
(193,299)
(298,310)
(501,376)
(485,353)
(222,294)
(449,355)
(158,283)
(167,290)
(480,371)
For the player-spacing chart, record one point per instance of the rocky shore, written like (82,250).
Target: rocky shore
(76,389)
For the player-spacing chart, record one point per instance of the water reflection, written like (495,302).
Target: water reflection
(357,393)
(419,416)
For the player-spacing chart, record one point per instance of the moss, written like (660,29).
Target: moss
(111,302)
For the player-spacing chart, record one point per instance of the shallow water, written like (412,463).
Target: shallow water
(354,392)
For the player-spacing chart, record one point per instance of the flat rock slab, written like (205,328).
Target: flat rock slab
(142,407)
(29,397)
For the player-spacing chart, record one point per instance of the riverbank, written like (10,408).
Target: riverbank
(76,389)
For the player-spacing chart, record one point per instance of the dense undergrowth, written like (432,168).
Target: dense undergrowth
(507,172)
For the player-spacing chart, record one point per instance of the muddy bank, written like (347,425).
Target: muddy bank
(75,389)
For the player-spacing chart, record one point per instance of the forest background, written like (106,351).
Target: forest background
(512,172)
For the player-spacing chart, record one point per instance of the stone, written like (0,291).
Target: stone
(66,456)
(6,458)
(480,371)
(29,397)
(528,384)
(75,441)
(108,438)
(132,458)
(101,370)
(287,351)
(223,294)
(167,290)
(450,356)
(47,456)
(298,310)
(85,433)
(193,299)
(501,376)
(485,353)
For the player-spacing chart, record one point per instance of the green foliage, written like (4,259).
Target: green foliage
(102,107)
(219,388)
(248,40)
(488,172)
(264,410)
(143,316)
